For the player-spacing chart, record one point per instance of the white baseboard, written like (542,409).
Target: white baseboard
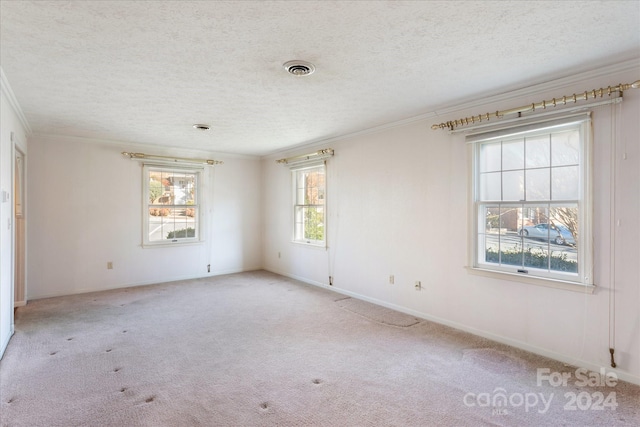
(141,283)
(622,375)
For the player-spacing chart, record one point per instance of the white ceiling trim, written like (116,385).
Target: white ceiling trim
(136,147)
(633,64)
(533,90)
(11,97)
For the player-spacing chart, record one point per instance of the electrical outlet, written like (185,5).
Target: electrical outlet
(109,265)
(391,279)
(418,285)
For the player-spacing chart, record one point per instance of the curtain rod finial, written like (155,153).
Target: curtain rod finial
(636,84)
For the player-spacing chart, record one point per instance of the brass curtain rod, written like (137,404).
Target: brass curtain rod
(595,93)
(175,159)
(326,152)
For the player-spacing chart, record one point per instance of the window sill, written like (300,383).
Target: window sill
(538,281)
(317,246)
(171,244)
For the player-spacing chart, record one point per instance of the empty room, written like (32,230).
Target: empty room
(319,213)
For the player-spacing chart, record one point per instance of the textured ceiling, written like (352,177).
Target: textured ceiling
(145,71)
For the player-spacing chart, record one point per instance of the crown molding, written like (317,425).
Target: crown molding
(476,102)
(559,83)
(137,146)
(11,97)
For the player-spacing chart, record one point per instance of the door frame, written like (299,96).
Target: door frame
(18,150)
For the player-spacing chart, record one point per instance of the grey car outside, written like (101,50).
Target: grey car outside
(556,233)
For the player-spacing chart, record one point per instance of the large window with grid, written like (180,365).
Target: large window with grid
(171,207)
(309,225)
(531,201)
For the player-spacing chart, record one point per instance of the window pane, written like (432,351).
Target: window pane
(536,234)
(490,157)
(180,187)
(566,183)
(491,223)
(309,223)
(157,219)
(537,256)
(490,188)
(513,155)
(172,223)
(298,223)
(513,185)
(510,220)
(538,151)
(564,260)
(156,190)
(538,184)
(166,197)
(314,223)
(566,219)
(311,195)
(565,148)
(499,241)
(300,175)
(489,239)
(535,215)
(510,242)
(483,251)
(564,249)
(511,254)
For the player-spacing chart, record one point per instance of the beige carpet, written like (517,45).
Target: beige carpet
(377,313)
(257,349)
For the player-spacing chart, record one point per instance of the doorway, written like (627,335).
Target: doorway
(19,242)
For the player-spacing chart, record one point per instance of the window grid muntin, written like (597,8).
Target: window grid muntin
(170,223)
(482,204)
(303,208)
(524,243)
(551,168)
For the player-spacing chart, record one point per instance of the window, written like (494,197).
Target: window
(531,201)
(309,205)
(171,205)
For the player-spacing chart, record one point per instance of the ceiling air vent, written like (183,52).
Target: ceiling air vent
(299,68)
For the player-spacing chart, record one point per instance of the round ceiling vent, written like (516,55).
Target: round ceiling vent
(200,126)
(299,68)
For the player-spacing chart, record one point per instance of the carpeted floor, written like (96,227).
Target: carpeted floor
(258,349)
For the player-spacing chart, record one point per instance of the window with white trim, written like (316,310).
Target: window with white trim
(309,225)
(171,207)
(531,201)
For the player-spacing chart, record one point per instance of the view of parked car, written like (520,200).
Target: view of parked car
(557,233)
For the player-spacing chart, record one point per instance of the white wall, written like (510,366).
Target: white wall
(398,204)
(85,209)
(9,123)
